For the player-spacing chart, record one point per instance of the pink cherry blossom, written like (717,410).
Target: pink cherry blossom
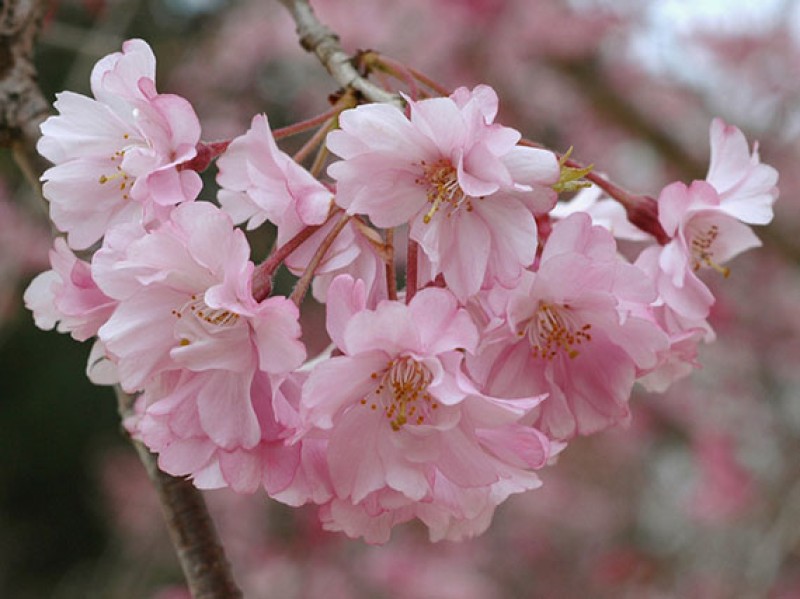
(221,439)
(747,188)
(459,179)
(704,235)
(213,363)
(116,156)
(570,329)
(66,297)
(430,445)
(184,292)
(261,183)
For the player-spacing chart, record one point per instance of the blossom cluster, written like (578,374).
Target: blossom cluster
(520,325)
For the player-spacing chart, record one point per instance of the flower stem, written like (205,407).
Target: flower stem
(299,291)
(262,276)
(425,80)
(391,276)
(394,68)
(411,270)
(642,211)
(308,124)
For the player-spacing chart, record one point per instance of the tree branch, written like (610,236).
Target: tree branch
(317,38)
(22,109)
(22,105)
(190,527)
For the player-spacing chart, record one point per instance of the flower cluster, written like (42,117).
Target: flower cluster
(520,325)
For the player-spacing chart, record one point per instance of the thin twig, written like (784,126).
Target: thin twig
(300,288)
(317,38)
(391,274)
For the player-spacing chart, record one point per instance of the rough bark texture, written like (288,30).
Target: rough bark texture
(22,105)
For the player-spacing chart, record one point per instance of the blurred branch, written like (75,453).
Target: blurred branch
(317,38)
(22,109)
(190,527)
(22,105)
(587,76)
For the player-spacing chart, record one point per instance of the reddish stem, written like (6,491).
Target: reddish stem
(302,285)
(391,277)
(425,80)
(642,211)
(206,152)
(411,270)
(262,276)
(308,124)
(400,71)
(313,142)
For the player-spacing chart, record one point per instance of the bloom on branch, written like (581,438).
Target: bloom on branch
(259,182)
(746,187)
(571,330)
(116,156)
(210,359)
(430,444)
(66,297)
(459,180)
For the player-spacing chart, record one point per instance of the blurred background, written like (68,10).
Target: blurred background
(698,498)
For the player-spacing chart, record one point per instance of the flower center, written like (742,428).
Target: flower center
(553,330)
(214,316)
(118,177)
(401,393)
(702,250)
(440,181)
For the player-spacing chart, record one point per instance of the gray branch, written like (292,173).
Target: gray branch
(22,105)
(317,38)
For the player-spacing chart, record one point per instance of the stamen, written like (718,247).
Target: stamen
(553,330)
(701,247)
(402,392)
(440,180)
(215,316)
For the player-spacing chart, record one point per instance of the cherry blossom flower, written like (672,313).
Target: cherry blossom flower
(211,361)
(185,301)
(200,429)
(66,297)
(459,179)
(116,156)
(746,187)
(704,235)
(430,444)
(570,329)
(259,183)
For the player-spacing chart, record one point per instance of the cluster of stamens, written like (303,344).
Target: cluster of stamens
(702,253)
(214,316)
(440,180)
(402,393)
(119,175)
(553,330)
